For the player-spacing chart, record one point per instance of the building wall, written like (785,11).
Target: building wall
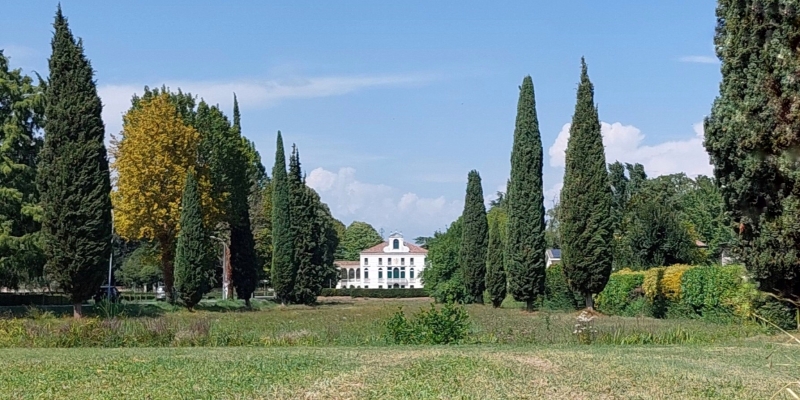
(384,270)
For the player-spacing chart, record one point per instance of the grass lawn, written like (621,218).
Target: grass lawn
(337,351)
(457,372)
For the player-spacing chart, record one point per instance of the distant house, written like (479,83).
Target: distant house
(552,256)
(392,264)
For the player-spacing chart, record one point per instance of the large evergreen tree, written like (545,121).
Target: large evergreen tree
(587,225)
(302,214)
(21,117)
(525,246)
(357,237)
(751,136)
(475,237)
(282,241)
(192,267)
(495,270)
(244,258)
(73,178)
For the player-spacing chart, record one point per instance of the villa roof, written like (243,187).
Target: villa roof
(344,263)
(378,249)
(554,254)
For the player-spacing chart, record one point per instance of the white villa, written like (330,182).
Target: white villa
(391,264)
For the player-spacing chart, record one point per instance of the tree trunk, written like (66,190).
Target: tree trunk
(247,302)
(77,310)
(589,302)
(168,267)
(529,306)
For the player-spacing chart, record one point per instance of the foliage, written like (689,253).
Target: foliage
(142,267)
(357,237)
(282,241)
(192,262)
(73,176)
(474,241)
(751,136)
(558,295)
(552,234)
(495,269)
(781,313)
(442,275)
(586,222)
(620,295)
(376,293)
(525,245)
(21,118)
(32,299)
(712,292)
(432,326)
(148,194)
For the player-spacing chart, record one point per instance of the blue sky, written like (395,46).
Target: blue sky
(392,103)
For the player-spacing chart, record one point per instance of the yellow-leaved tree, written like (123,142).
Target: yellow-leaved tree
(151,161)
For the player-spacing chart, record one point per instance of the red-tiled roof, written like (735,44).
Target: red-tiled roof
(378,248)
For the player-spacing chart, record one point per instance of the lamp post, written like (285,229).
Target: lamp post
(110,258)
(226,270)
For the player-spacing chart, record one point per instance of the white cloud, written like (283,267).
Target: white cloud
(624,143)
(251,93)
(699,59)
(381,205)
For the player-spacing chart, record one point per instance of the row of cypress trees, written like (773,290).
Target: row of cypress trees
(514,261)
(303,234)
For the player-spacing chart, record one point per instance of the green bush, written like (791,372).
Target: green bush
(782,314)
(622,295)
(558,295)
(32,299)
(376,293)
(450,324)
(713,293)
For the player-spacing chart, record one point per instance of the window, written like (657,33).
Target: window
(351,286)
(366,261)
(403,273)
(411,273)
(411,260)
(351,274)
(366,273)
(396,244)
(402,286)
(396,273)
(358,273)
(380,286)
(343,273)
(380,261)
(412,286)
(388,261)
(380,274)
(366,286)
(402,261)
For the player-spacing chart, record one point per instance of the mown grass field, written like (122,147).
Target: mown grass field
(338,351)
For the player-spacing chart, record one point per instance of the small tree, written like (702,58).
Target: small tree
(192,267)
(472,252)
(495,271)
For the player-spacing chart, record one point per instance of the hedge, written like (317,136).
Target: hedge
(623,294)
(558,295)
(376,293)
(33,299)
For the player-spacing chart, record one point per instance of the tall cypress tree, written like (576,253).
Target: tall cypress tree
(244,259)
(475,235)
(282,241)
(301,214)
(192,265)
(587,224)
(751,136)
(495,271)
(525,245)
(73,177)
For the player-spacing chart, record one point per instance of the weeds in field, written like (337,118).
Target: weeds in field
(584,327)
(432,326)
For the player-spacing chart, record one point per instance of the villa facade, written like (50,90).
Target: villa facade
(391,264)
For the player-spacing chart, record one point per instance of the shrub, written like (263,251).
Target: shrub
(714,293)
(623,288)
(782,314)
(450,324)
(671,281)
(376,293)
(33,299)
(558,295)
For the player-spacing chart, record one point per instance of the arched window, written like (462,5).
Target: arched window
(403,273)
(343,273)
(358,273)
(411,273)
(397,273)
(351,274)
(396,244)
(366,273)
(380,273)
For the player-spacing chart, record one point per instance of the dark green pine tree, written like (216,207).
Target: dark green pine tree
(305,233)
(475,237)
(586,221)
(495,271)
(751,136)
(193,268)
(525,245)
(282,240)
(73,176)
(244,259)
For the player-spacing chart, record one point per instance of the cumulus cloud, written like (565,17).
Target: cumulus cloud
(381,205)
(625,143)
(251,93)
